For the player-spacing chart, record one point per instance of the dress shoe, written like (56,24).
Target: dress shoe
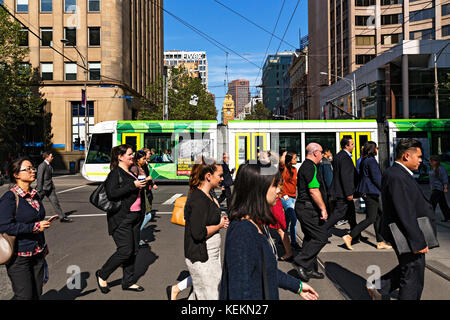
(104,290)
(65,219)
(374,293)
(383,245)
(287,259)
(315,274)
(301,272)
(169,292)
(137,289)
(348,241)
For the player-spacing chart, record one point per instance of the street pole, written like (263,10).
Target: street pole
(86,111)
(436,87)
(355,111)
(166,99)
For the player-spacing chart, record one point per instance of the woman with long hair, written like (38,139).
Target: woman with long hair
(250,267)
(203,223)
(370,189)
(22,214)
(122,185)
(439,184)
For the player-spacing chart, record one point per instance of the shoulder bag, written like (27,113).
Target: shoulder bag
(7,242)
(100,200)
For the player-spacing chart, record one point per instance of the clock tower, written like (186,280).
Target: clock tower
(228,109)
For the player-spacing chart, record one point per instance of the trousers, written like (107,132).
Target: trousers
(438,197)
(291,219)
(51,195)
(343,209)
(373,216)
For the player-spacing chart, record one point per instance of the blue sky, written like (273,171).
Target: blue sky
(234,32)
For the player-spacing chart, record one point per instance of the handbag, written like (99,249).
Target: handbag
(178,211)
(427,230)
(7,242)
(100,200)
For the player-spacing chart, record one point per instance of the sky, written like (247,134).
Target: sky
(242,38)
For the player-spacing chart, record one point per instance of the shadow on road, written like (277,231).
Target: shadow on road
(352,284)
(66,293)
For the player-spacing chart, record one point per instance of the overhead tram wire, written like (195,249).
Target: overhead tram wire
(289,23)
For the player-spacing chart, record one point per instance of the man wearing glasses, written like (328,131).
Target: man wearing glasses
(311,211)
(45,186)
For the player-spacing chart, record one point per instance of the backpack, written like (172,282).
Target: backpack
(100,200)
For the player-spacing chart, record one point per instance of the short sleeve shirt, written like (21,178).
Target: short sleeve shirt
(309,178)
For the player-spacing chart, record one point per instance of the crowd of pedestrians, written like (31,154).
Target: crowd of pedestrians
(267,200)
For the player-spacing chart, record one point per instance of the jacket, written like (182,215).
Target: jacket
(22,227)
(126,192)
(345,176)
(227,178)
(44,181)
(370,177)
(403,202)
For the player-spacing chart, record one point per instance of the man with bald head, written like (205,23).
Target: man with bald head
(311,211)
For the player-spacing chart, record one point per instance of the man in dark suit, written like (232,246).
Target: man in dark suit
(45,186)
(343,185)
(403,202)
(227,181)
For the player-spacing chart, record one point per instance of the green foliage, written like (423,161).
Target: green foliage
(181,88)
(20,101)
(259,112)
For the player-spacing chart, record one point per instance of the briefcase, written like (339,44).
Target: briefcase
(427,230)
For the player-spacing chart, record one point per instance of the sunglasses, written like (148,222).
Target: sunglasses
(29,169)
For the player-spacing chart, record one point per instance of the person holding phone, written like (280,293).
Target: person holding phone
(22,214)
(124,225)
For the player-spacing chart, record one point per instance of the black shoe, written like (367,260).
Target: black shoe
(295,246)
(104,290)
(169,292)
(315,274)
(301,272)
(65,219)
(138,289)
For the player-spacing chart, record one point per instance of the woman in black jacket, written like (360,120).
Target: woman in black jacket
(22,215)
(122,185)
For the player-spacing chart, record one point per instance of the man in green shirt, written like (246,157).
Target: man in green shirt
(311,211)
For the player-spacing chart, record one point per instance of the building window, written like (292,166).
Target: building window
(70,6)
(46,5)
(389,2)
(361,20)
(70,34)
(445,9)
(94,6)
(46,71)
(427,34)
(364,58)
(70,70)
(421,15)
(23,37)
(446,30)
(365,40)
(391,38)
(94,36)
(78,123)
(391,19)
(21,5)
(46,37)
(364,3)
(94,70)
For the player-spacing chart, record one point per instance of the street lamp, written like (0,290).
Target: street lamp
(353,86)
(436,84)
(83,101)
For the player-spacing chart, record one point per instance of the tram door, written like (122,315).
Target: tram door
(259,144)
(133,139)
(242,148)
(359,139)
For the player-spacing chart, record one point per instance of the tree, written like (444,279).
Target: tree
(21,105)
(181,88)
(259,112)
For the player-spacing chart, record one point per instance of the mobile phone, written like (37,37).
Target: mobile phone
(53,218)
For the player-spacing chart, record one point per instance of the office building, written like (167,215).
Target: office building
(177,57)
(239,90)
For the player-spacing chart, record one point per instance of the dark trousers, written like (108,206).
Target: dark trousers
(438,197)
(26,275)
(315,235)
(373,216)
(126,237)
(343,209)
(408,276)
(226,194)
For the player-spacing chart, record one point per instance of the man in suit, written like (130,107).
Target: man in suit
(403,202)
(45,186)
(227,181)
(343,185)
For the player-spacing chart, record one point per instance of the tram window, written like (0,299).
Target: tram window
(100,148)
(440,145)
(161,146)
(192,145)
(132,141)
(290,142)
(325,139)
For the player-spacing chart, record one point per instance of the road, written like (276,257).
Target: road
(79,248)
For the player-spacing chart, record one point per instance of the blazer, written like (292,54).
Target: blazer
(344,176)
(44,181)
(22,227)
(369,177)
(404,202)
(126,192)
(227,178)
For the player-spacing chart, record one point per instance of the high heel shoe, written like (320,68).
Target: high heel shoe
(383,245)
(104,290)
(348,241)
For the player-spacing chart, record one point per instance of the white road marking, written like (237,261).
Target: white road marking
(102,215)
(71,189)
(172,200)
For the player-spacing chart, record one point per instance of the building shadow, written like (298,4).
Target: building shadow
(66,293)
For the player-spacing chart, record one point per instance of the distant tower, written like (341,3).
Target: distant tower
(228,109)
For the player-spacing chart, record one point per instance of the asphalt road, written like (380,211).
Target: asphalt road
(79,248)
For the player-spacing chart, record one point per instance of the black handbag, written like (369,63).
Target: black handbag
(427,230)
(100,200)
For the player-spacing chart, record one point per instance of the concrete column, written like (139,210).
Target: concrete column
(405,86)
